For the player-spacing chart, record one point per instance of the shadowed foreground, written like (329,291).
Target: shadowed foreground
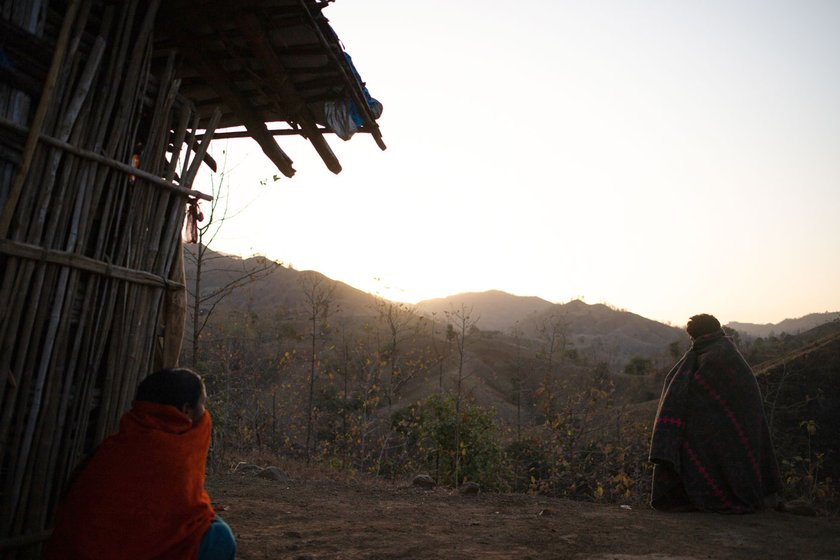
(322,519)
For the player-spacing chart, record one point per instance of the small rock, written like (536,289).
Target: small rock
(273,473)
(799,507)
(423,481)
(469,488)
(247,468)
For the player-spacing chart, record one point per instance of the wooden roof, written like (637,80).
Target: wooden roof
(261,61)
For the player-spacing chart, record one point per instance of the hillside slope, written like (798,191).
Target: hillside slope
(802,397)
(789,326)
(273,288)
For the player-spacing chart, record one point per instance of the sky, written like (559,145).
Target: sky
(667,158)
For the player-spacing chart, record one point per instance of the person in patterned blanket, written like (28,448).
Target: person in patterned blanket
(711,445)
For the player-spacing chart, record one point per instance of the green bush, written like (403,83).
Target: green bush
(429,432)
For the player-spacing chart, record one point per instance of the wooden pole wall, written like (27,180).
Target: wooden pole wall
(89,245)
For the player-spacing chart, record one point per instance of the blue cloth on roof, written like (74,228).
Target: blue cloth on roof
(343,116)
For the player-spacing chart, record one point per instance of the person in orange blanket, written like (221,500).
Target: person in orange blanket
(141,495)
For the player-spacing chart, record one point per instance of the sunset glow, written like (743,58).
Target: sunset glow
(665,158)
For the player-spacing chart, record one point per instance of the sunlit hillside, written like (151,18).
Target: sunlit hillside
(299,364)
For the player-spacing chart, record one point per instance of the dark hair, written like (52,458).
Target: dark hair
(702,324)
(172,386)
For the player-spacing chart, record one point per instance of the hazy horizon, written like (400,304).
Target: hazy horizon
(574,298)
(664,158)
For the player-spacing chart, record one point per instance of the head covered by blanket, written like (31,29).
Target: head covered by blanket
(141,495)
(711,444)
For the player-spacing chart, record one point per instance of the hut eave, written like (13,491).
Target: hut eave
(263,61)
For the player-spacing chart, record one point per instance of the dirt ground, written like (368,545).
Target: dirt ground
(325,519)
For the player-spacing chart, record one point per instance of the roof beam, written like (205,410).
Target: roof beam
(273,131)
(218,80)
(277,78)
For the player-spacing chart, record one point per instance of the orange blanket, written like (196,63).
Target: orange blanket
(142,494)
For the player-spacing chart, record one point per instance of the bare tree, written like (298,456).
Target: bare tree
(401,322)
(459,330)
(553,334)
(440,351)
(318,294)
(204,302)
(517,379)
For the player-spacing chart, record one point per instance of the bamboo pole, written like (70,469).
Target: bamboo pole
(178,142)
(167,91)
(64,128)
(177,213)
(159,210)
(191,139)
(61,459)
(145,195)
(73,260)
(189,176)
(40,430)
(119,166)
(175,311)
(110,31)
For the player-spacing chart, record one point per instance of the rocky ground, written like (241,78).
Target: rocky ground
(319,519)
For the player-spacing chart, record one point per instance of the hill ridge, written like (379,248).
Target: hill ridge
(773,363)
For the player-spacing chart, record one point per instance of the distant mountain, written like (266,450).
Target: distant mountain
(600,332)
(261,286)
(492,311)
(610,335)
(789,326)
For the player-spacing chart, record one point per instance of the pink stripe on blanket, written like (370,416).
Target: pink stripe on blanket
(737,425)
(721,495)
(671,420)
